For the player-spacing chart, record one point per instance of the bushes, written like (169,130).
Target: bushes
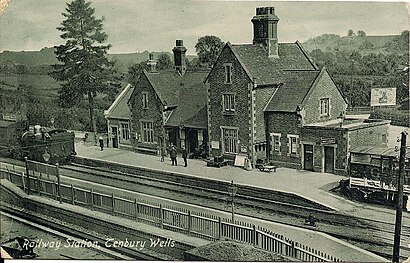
(45,111)
(397,117)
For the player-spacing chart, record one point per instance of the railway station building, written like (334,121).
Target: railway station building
(118,118)
(265,101)
(269,101)
(169,106)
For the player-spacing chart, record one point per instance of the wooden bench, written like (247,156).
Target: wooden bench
(267,168)
(146,150)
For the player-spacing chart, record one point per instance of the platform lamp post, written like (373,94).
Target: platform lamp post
(232,189)
(399,205)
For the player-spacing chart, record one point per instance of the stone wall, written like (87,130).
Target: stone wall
(240,119)
(325,88)
(153,113)
(314,135)
(283,123)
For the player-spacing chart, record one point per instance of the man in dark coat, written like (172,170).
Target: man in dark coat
(101,141)
(184,156)
(173,155)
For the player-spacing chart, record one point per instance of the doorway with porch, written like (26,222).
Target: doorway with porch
(192,140)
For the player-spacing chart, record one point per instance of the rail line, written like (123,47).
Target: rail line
(359,228)
(372,235)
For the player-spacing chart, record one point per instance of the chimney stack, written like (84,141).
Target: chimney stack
(179,57)
(265,30)
(152,64)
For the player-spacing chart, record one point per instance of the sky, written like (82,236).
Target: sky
(154,25)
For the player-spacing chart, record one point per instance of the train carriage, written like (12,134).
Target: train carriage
(374,174)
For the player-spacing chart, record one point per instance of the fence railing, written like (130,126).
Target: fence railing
(181,220)
(376,184)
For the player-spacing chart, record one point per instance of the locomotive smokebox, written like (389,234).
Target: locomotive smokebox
(37,129)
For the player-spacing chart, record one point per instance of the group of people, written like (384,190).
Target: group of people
(173,154)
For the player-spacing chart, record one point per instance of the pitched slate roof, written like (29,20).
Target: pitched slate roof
(119,108)
(165,84)
(292,56)
(295,88)
(254,58)
(187,92)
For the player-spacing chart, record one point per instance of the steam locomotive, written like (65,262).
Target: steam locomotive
(18,140)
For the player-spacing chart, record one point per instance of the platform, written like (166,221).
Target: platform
(311,185)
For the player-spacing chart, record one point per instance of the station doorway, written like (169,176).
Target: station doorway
(114,134)
(329,159)
(308,157)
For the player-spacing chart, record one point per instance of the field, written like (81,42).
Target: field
(44,86)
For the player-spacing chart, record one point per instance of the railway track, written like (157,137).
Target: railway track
(66,231)
(373,235)
(365,233)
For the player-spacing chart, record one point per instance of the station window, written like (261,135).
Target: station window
(293,144)
(324,107)
(145,100)
(147,132)
(125,131)
(230,140)
(275,142)
(228,103)
(228,73)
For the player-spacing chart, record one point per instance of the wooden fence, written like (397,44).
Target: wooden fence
(181,220)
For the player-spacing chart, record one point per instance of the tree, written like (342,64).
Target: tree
(84,69)
(361,33)
(164,61)
(208,48)
(135,70)
(399,43)
(350,33)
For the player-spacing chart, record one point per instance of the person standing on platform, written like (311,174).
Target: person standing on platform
(163,153)
(101,140)
(184,156)
(173,155)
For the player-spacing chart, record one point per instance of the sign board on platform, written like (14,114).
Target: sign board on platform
(383,97)
(240,160)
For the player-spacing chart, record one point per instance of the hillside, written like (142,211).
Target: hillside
(46,56)
(360,63)
(363,44)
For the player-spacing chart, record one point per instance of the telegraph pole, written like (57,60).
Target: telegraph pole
(399,207)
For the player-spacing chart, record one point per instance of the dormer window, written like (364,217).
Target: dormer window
(145,100)
(228,103)
(324,107)
(228,73)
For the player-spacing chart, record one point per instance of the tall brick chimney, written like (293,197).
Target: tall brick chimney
(265,29)
(179,56)
(152,64)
